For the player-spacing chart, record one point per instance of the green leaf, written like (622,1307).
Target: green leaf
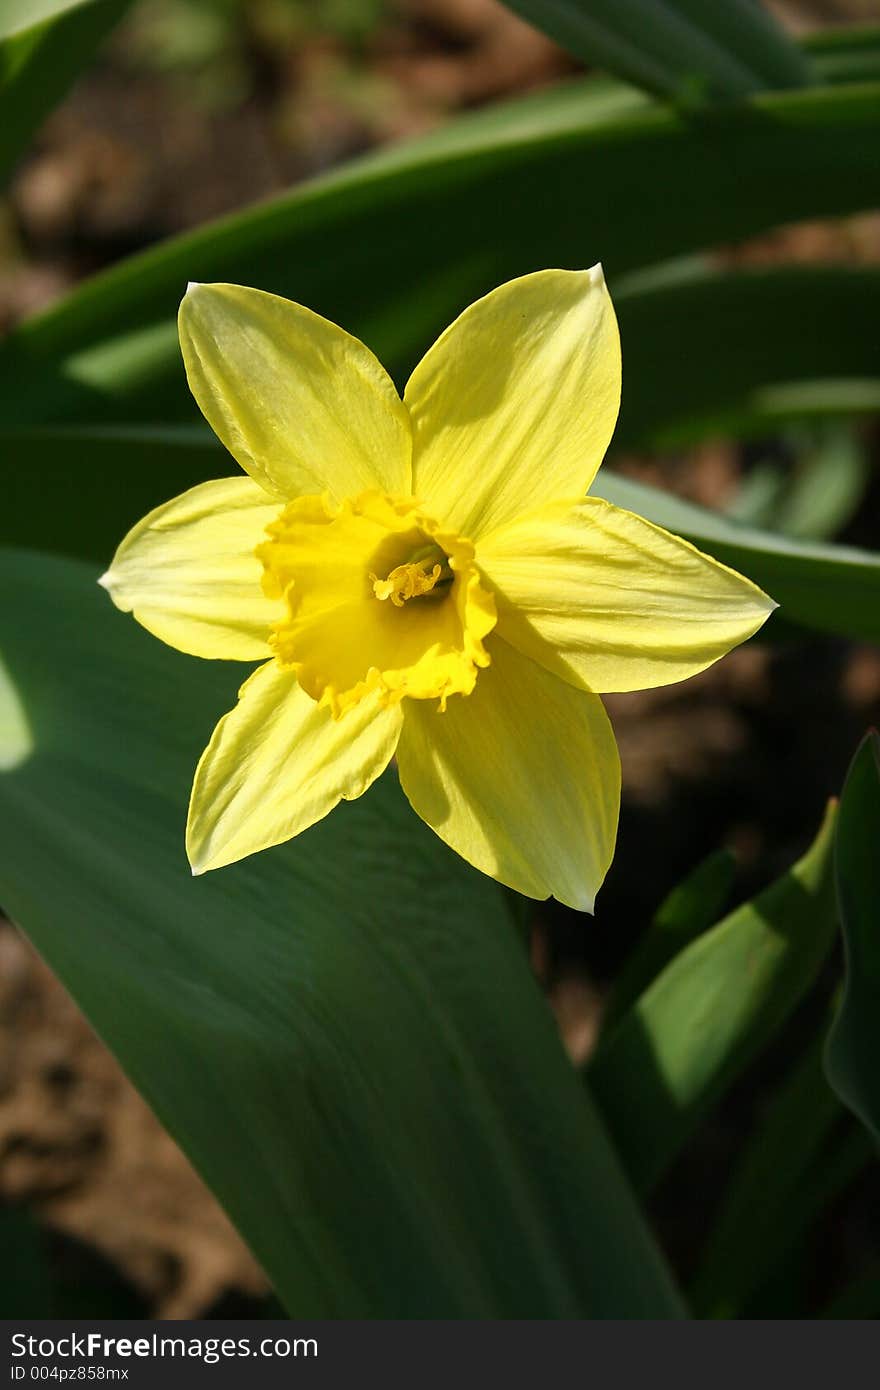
(396,244)
(77,490)
(827,488)
(848,53)
(690,50)
(769,409)
(835,588)
(712,1009)
(774,1190)
(343,1033)
(835,1168)
(854,1039)
(691,908)
(816,497)
(701,351)
(43,45)
(760,495)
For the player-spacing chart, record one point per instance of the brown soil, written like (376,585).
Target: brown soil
(83,1151)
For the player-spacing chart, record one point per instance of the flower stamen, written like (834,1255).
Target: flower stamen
(413,579)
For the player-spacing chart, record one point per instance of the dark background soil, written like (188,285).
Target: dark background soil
(178,123)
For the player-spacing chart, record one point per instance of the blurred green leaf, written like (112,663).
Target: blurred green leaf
(699,350)
(693,51)
(758,498)
(826,488)
(712,1009)
(854,1039)
(43,45)
(692,907)
(343,1032)
(395,244)
(815,496)
(835,588)
(768,409)
(845,53)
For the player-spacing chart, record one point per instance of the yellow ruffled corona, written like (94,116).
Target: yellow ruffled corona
(422,577)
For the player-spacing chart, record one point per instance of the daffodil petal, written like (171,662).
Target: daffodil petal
(610,601)
(303,406)
(189,573)
(521,778)
(515,404)
(277,763)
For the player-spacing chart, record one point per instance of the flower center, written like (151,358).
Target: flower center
(417,632)
(413,579)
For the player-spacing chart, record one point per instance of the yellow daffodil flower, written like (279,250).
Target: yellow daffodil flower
(422,577)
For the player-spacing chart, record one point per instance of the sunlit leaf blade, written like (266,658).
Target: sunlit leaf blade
(343,1033)
(835,588)
(396,244)
(693,51)
(694,905)
(43,45)
(710,1011)
(854,1040)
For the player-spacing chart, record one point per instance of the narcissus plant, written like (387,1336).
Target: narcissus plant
(422,577)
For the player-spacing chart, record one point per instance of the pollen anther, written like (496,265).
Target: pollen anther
(405,582)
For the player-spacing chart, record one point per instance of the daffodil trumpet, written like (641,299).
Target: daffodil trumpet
(423,577)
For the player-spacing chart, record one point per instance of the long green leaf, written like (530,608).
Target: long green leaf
(395,245)
(690,50)
(343,1033)
(701,351)
(839,1165)
(835,588)
(692,907)
(43,45)
(854,1040)
(770,1191)
(700,1022)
